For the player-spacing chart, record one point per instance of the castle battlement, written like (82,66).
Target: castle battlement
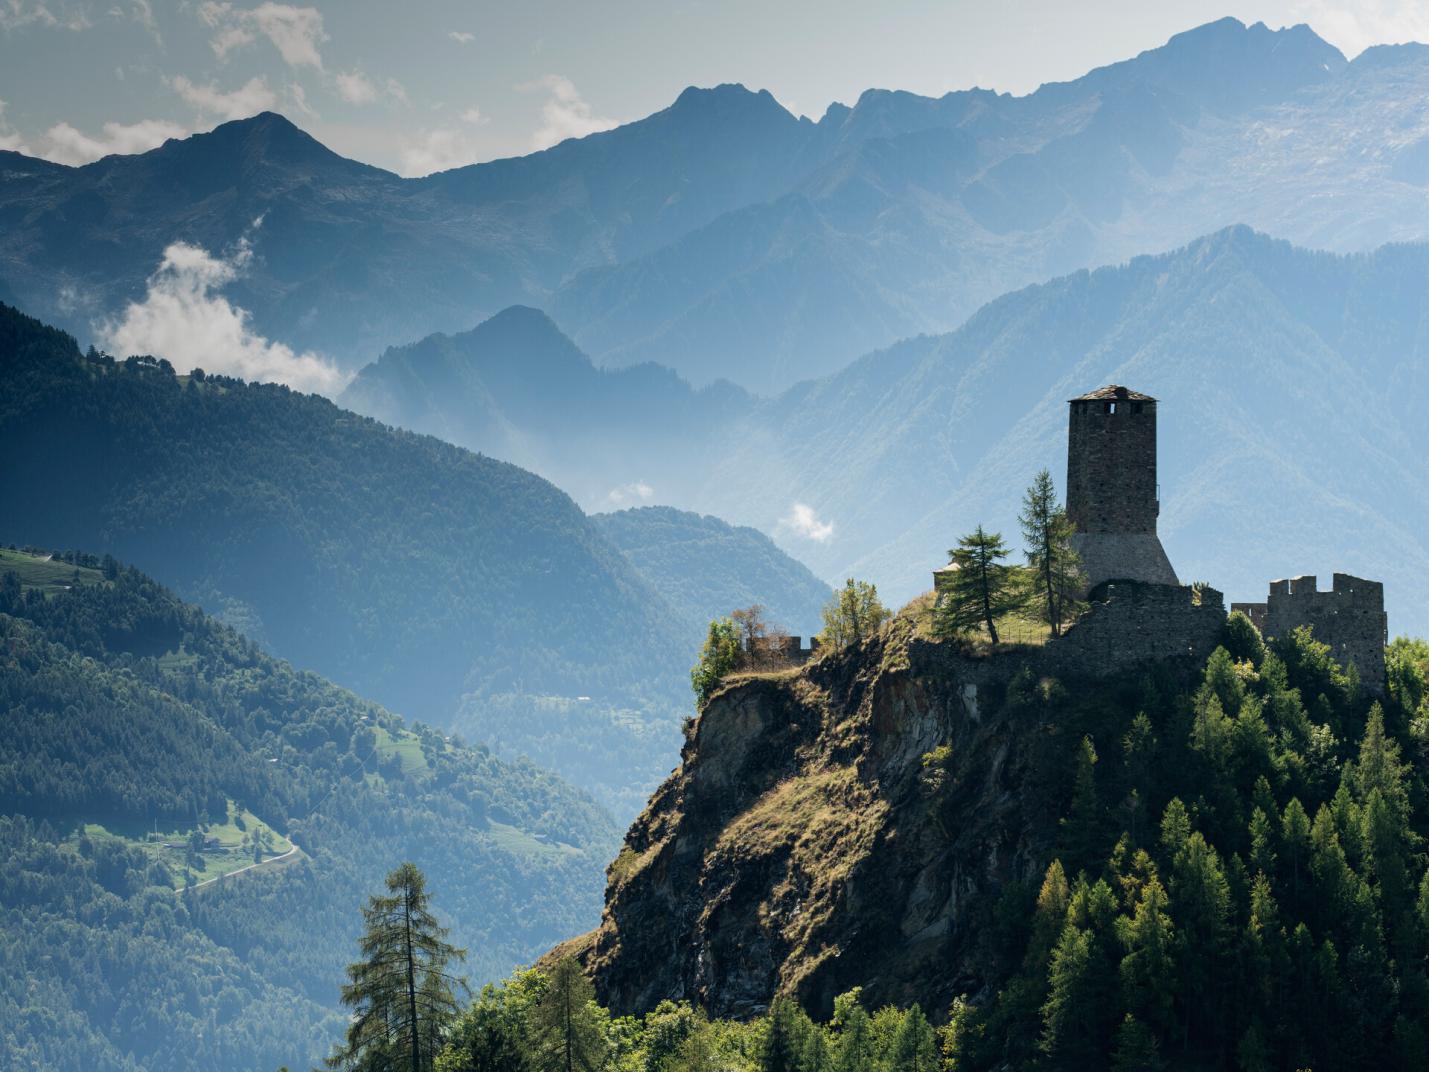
(1350,618)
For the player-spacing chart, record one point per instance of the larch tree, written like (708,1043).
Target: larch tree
(981,590)
(402,996)
(565,1025)
(1048,533)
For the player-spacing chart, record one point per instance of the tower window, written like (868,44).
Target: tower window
(1136,407)
(1111,407)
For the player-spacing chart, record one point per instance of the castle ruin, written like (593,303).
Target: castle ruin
(1350,618)
(1113,498)
(1137,610)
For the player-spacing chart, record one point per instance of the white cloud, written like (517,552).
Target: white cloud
(440,149)
(801,520)
(565,113)
(474,117)
(299,97)
(1354,27)
(9,137)
(65,145)
(142,12)
(252,97)
(296,32)
(184,319)
(354,88)
(626,494)
(397,91)
(461,37)
(17,14)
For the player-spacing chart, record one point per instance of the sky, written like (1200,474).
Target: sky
(424,85)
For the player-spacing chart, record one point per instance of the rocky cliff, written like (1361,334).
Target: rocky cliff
(865,820)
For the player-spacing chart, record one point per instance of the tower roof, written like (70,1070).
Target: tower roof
(1113,392)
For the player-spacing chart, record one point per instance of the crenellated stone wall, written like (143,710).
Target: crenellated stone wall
(1350,618)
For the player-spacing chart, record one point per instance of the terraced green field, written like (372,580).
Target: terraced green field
(45,573)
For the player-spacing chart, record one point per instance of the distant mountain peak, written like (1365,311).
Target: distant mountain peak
(727,100)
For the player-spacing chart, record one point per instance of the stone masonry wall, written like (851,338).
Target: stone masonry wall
(1111,466)
(1350,618)
(1130,623)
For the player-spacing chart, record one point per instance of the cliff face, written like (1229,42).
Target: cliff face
(853,824)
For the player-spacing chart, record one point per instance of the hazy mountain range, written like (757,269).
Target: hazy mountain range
(724,237)
(447,585)
(1291,442)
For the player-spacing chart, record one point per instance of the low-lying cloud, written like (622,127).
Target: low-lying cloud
(65,144)
(565,113)
(252,97)
(804,522)
(630,494)
(183,318)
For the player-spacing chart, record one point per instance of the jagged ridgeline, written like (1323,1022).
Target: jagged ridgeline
(148,749)
(1157,839)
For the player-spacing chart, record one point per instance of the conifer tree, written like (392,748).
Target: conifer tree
(1048,534)
(783,1038)
(402,996)
(814,1055)
(854,1050)
(565,1029)
(981,590)
(915,1045)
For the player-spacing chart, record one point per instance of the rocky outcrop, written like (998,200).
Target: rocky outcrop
(850,824)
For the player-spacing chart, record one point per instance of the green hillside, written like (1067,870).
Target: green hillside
(706,568)
(400,566)
(148,749)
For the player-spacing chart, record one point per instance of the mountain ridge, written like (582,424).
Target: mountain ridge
(724,237)
(915,443)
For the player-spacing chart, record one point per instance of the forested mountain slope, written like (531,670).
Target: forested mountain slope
(128,712)
(707,568)
(405,568)
(453,587)
(726,238)
(1187,864)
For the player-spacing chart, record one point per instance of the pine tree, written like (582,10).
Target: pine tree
(854,1051)
(814,1055)
(565,1029)
(783,1038)
(981,590)
(402,997)
(915,1044)
(1083,822)
(1070,1007)
(1048,534)
(1147,970)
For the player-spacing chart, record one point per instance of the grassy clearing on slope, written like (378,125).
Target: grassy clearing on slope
(228,845)
(517,842)
(406,746)
(46,574)
(1020,628)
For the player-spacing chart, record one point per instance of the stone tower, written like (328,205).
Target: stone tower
(1112,494)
